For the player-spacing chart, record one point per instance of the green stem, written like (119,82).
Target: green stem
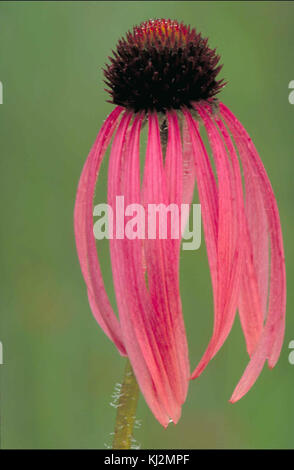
(126,410)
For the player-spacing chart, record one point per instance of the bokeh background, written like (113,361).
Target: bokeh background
(59,369)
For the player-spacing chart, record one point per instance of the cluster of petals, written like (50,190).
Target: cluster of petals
(242,235)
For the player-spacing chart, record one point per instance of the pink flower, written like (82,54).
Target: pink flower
(164,74)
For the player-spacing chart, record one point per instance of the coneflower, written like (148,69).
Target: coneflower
(164,74)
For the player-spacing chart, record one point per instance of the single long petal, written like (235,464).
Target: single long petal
(254,292)
(249,300)
(162,267)
(250,304)
(259,234)
(228,240)
(184,172)
(208,195)
(139,324)
(85,241)
(238,232)
(175,179)
(270,343)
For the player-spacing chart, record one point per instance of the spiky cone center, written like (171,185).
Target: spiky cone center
(162,65)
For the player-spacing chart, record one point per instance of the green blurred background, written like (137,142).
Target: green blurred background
(59,368)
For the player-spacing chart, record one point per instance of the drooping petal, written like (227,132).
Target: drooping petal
(226,221)
(140,326)
(250,305)
(238,231)
(158,396)
(85,241)
(270,343)
(186,174)
(208,195)
(175,179)
(228,239)
(259,234)
(173,163)
(249,300)
(162,268)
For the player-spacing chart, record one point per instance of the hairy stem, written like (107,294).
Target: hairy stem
(126,410)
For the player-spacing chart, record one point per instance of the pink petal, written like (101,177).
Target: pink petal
(85,241)
(208,196)
(271,339)
(259,236)
(162,268)
(184,173)
(249,300)
(229,239)
(139,324)
(188,170)
(250,306)
(174,160)
(175,179)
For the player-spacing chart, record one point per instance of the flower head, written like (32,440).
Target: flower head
(162,65)
(165,73)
